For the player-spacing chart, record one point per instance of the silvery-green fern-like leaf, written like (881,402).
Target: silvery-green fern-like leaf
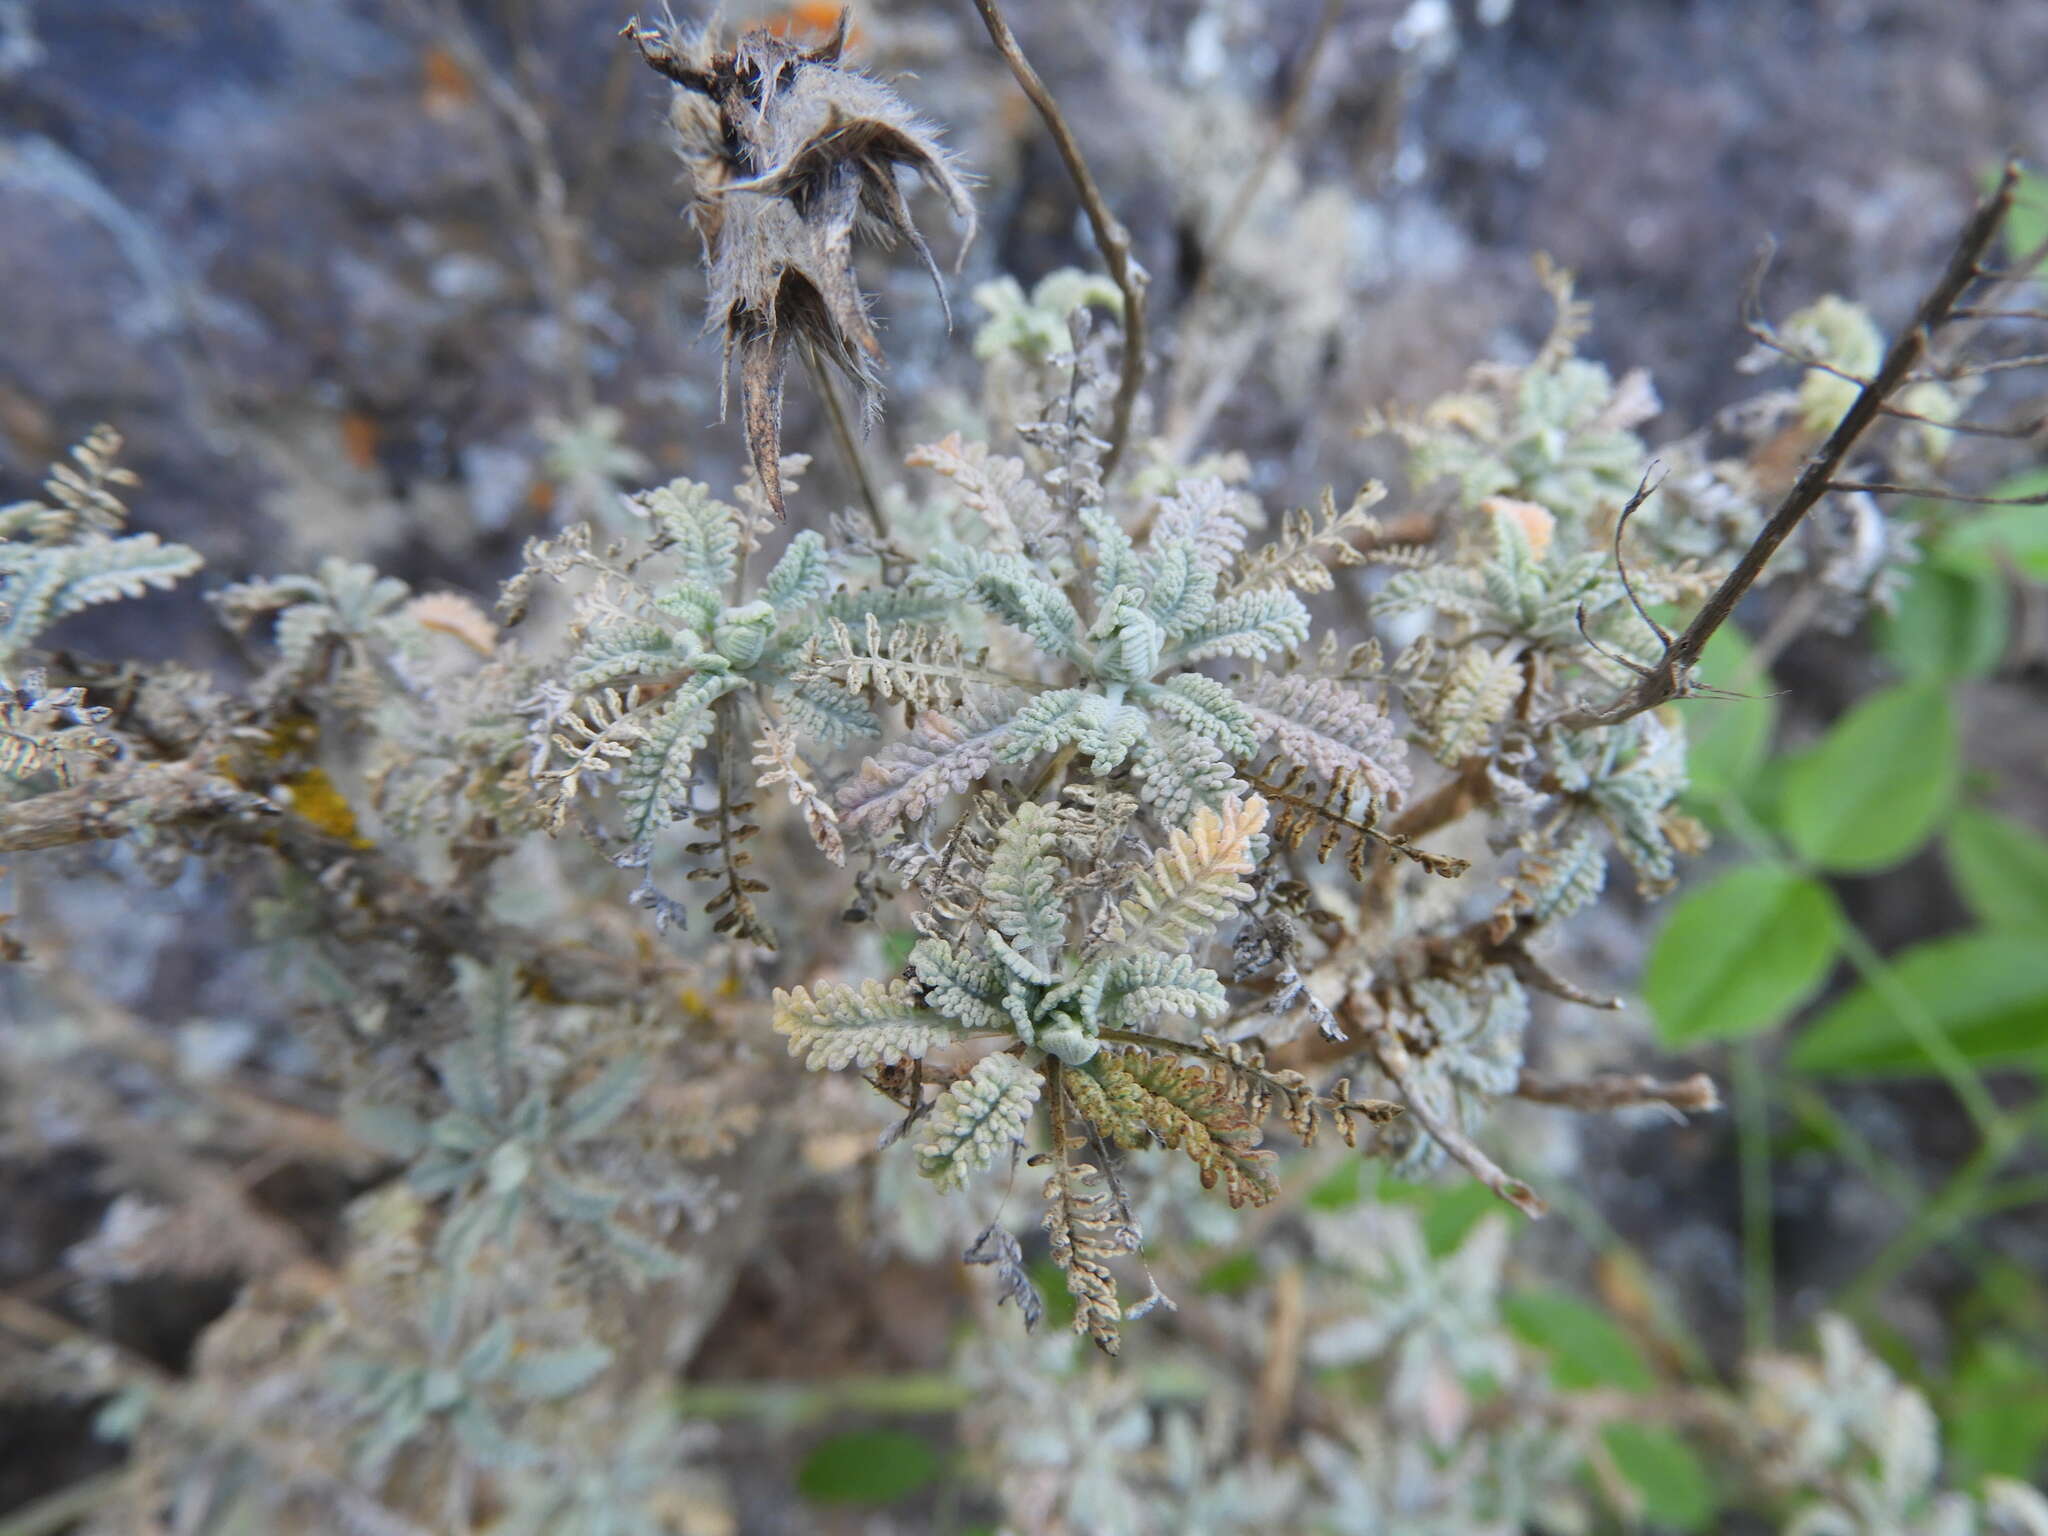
(1128,640)
(803,574)
(866,1026)
(1452,590)
(1179,593)
(593,1108)
(624,649)
(1331,726)
(943,756)
(977,1119)
(1556,881)
(41,583)
(1116,558)
(1209,518)
(692,604)
(544,1375)
(822,709)
(1179,769)
(1477,1025)
(700,530)
(1248,624)
(1205,708)
(1104,732)
(1026,902)
(1136,988)
(656,773)
(966,989)
(1477,694)
(1642,770)
(1007,587)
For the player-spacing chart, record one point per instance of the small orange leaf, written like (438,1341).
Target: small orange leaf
(359,435)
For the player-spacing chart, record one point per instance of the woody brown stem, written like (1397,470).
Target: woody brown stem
(1395,1061)
(1111,238)
(1694,1095)
(1670,676)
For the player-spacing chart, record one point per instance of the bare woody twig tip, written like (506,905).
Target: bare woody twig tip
(1111,238)
(1670,677)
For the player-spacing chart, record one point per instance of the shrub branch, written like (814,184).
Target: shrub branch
(1670,676)
(1111,238)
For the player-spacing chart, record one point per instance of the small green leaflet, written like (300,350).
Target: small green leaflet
(1878,785)
(1988,992)
(1739,954)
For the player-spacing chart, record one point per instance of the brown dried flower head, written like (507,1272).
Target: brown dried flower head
(791,154)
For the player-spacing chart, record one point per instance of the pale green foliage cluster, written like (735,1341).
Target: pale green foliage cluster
(1457,1424)
(67,553)
(504,1143)
(1854,1451)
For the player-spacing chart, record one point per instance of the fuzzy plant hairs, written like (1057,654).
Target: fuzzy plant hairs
(791,153)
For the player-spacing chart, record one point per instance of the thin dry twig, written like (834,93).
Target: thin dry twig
(1280,1369)
(124,801)
(1695,1095)
(1891,488)
(1670,677)
(1111,238)
(1395,1061)
(849,445)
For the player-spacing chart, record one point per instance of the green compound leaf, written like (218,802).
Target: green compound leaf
(869,1466)
(2017,534)
(1662,1469)
(1738,955)
(1586,1347)
(1879,784)
(1951,620)
(2001,868)
(1727,740)
(1988,992)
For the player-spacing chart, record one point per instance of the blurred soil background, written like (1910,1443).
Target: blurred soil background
(409,285)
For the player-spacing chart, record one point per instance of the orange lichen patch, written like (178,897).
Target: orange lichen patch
(811,16)
(452,614)
(309,793)
(315,799)
(445,86)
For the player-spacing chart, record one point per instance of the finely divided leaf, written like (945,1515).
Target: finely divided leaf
(1196,878)
(871,1025)
(976,1119)
(657,772)
(702,531)
(803,574)
(1025,899)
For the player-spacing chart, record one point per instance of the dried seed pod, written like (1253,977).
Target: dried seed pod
(791,154)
